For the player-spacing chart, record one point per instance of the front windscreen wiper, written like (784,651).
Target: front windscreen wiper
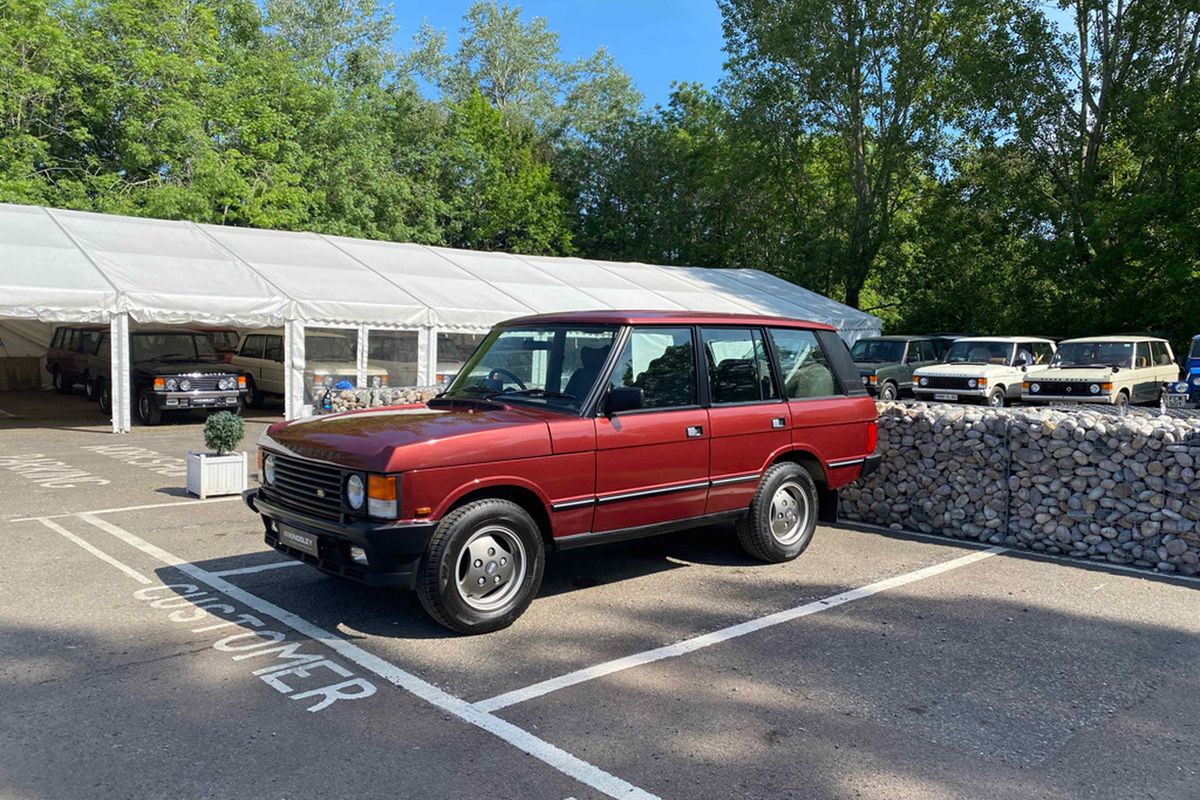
(536,393)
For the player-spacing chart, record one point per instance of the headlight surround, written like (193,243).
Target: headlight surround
(227,383)
(268,471)
(172,385)
(865,380)
(184,385)
(356,493)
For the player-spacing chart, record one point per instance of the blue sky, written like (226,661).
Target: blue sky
(655,41)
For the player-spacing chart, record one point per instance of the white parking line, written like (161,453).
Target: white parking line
(725,634)
(556,757)
(225,573)
(100,554)
(129,508)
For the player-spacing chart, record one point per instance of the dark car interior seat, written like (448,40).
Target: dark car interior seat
(735,380)
(592,359)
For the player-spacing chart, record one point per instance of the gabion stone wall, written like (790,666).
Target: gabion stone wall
(350,399)
(1084,483)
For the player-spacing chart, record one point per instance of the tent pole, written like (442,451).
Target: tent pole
(119,391)
(360,378)
(293,370)
(427,356)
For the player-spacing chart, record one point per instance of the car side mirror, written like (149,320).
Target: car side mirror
(1021,362)
(623,398)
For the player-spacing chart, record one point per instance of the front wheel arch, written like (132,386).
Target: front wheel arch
(526,498)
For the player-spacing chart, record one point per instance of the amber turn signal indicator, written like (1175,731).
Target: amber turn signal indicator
(381,487)
(160,384)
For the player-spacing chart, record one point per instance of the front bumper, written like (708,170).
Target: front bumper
(176,401)
(1090,399)
(393,550)
(960,394)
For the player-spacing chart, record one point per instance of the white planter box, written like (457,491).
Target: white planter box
(210,475)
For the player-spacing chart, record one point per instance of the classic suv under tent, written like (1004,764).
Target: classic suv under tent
(75,267)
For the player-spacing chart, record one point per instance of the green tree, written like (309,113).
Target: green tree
(500,195)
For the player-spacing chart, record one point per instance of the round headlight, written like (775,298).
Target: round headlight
(1195,381)
(972,383)
(865,380)
(172,384)
(1094,388)
(269,469)
(924,381)
(354,492)
(329,380)
(185,385)
(224,384)
(1035,388)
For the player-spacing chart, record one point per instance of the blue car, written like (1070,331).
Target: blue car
(1185,392)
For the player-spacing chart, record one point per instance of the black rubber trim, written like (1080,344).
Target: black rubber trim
(642,531)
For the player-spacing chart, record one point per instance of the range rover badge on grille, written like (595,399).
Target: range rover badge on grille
(321,493)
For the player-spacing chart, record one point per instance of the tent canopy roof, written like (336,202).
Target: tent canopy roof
(59,266)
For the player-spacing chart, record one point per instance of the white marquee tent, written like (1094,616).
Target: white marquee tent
(68,266)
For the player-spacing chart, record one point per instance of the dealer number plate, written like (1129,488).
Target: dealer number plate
(297,540)
(1176,400)
(950,397)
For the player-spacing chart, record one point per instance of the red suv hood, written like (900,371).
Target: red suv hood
(396,439)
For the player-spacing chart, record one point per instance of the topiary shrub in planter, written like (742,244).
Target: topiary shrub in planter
(223,471)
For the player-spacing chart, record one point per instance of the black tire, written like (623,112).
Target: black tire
(1122,400)
(253,397)
(60,382)
(997,398)
(449,565)
(785,488)
(89,388)
(889,392)
(104,397)
(148,412)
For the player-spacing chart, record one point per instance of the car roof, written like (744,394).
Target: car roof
(163,331)
(1116,337)
(1005,339)
(652,317)
(897,337)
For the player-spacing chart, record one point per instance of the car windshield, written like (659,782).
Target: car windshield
(334,349)
(980,353)
(1093,354)
(878,351)
(1195,354)
(553,366)
(172,347)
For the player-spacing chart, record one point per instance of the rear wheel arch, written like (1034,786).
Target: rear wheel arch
(808,460)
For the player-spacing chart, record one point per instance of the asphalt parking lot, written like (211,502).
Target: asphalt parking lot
(151,646)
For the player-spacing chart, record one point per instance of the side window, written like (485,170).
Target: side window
(738,368)
(1042,353)
(1140,356)
(73,342)
(88,341)
(916,352)
(253,347)
(803,365)
(273,348)
(1162,357)
(660,362)
(56,342)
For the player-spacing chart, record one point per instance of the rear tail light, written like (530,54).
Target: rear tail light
(381,496)
(872,436)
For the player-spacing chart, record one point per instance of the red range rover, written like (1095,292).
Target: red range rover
(571,429)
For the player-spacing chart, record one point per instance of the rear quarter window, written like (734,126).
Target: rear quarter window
(805,366)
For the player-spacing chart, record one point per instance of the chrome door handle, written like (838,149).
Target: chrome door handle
(778,422)
(695,431)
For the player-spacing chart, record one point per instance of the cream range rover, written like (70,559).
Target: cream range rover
(1113,370)
(329,357)
(983,369)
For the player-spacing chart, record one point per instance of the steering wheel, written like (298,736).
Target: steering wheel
(506,373)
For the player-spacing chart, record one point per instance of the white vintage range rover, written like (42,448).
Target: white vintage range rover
(987,369)
(1114,370)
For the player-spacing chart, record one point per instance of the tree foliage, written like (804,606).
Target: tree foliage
(988,165)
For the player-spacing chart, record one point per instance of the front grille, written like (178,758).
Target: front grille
(1063,388)
(204,382)
(942,382)
(298,482)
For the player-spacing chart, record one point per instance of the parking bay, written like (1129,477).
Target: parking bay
(1003,677)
